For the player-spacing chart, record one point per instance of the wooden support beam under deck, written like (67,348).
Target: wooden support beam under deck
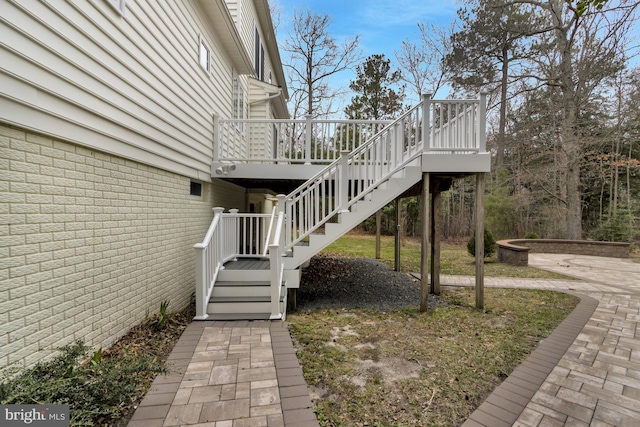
(398,233)
(436,232)
(424,252)
(480,181)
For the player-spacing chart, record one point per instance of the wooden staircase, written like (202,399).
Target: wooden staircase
(429,137)
(242,290)
(384,193)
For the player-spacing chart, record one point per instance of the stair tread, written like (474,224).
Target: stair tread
(243,283)
(239,316)
(216,299)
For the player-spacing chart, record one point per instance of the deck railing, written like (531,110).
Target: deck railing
(246,233)
(230,236)
(211,255)
(279,141)
(276,264)
(430,126)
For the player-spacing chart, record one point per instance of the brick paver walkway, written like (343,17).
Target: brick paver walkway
(230,374)
(596,379)
(587,373)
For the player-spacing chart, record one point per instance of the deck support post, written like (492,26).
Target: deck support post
(398,234)
(480,182)
(292,303)
(378,232)
(436,231)
(424,250)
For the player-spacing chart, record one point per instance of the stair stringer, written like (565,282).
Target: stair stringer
(387,191)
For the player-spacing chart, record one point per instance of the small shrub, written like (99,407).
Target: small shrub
(96,389)
(161,320)
(490,245)
(617,228)
(531,235)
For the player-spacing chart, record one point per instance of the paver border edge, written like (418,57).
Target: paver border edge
(571,326)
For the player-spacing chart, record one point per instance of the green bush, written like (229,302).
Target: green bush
(490,245)
(617,228)
(531,235)
(96,389)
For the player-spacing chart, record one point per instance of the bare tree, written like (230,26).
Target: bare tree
(580,49)
(314,55)
(421,62)
(276,14)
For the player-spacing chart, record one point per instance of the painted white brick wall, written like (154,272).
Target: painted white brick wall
(89,242)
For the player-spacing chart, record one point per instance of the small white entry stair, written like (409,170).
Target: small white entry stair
(245,294)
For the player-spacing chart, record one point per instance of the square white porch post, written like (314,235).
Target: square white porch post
(308,131)
(482,123)
(426,122)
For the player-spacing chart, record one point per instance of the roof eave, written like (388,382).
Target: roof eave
(224,27)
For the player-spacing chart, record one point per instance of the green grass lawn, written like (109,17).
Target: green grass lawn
(454,258)
(406,368)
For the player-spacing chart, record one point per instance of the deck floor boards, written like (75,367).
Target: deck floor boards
(247,264)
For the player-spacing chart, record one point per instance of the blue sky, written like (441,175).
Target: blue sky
(381,24)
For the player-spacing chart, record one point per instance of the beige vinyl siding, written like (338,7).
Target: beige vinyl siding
(129,85)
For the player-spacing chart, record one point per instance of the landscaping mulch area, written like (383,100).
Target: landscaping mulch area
(333,281)
(102,387)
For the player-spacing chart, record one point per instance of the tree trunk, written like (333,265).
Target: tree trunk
(503,105)
(570,142)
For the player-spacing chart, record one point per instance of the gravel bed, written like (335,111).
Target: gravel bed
(338,282)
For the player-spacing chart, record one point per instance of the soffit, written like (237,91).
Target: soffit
(224,27)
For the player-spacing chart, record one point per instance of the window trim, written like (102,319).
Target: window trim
(200,186)
(258,55)
(203,45)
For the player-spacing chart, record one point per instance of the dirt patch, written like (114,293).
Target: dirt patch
(387,370)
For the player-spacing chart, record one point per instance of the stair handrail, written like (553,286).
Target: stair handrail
(272,221)
(388,151)
(276,251)
(210,258)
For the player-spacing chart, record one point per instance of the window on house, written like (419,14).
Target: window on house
(196,189)
(258,59)
(205,55)
(118,5)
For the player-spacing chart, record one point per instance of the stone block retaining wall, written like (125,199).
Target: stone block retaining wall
(516,251)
